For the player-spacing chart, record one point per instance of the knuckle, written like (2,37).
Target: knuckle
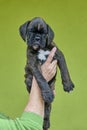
(55,62)
(51,56)
(52,72)
(49,68)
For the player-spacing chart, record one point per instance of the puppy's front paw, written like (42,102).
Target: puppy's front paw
(48,95)
(69,87)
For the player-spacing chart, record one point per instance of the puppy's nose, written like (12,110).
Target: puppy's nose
(37,38)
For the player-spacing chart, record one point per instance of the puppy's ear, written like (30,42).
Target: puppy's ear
(50,35)
(23,30)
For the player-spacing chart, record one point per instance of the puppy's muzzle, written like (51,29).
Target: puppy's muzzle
(36,47)
(36,44)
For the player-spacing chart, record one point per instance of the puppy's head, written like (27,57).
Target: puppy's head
(36,33)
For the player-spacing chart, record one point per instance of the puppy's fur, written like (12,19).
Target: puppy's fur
(39,38)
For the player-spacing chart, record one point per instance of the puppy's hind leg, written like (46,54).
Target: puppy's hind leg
(47,112)
(28,78)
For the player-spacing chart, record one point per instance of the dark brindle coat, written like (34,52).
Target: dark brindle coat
(39,38)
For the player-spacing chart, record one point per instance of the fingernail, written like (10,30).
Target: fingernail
(54,49)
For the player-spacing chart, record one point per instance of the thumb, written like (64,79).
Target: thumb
(51,55)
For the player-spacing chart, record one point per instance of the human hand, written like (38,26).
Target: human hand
(49,67)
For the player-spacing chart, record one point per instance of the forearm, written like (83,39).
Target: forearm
(35,102)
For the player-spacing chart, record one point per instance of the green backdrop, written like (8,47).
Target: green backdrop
(68,19)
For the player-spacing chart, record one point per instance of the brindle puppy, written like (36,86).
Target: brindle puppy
(39,38)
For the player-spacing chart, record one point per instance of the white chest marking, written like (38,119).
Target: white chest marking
(42,55)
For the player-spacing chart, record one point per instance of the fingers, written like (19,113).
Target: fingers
(51,55)
(52,68)
(49,67)
(54,63)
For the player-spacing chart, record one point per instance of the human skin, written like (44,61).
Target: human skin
(35,102)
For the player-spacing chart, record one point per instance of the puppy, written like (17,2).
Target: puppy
(39,38)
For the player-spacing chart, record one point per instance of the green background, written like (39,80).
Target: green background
(68,19)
